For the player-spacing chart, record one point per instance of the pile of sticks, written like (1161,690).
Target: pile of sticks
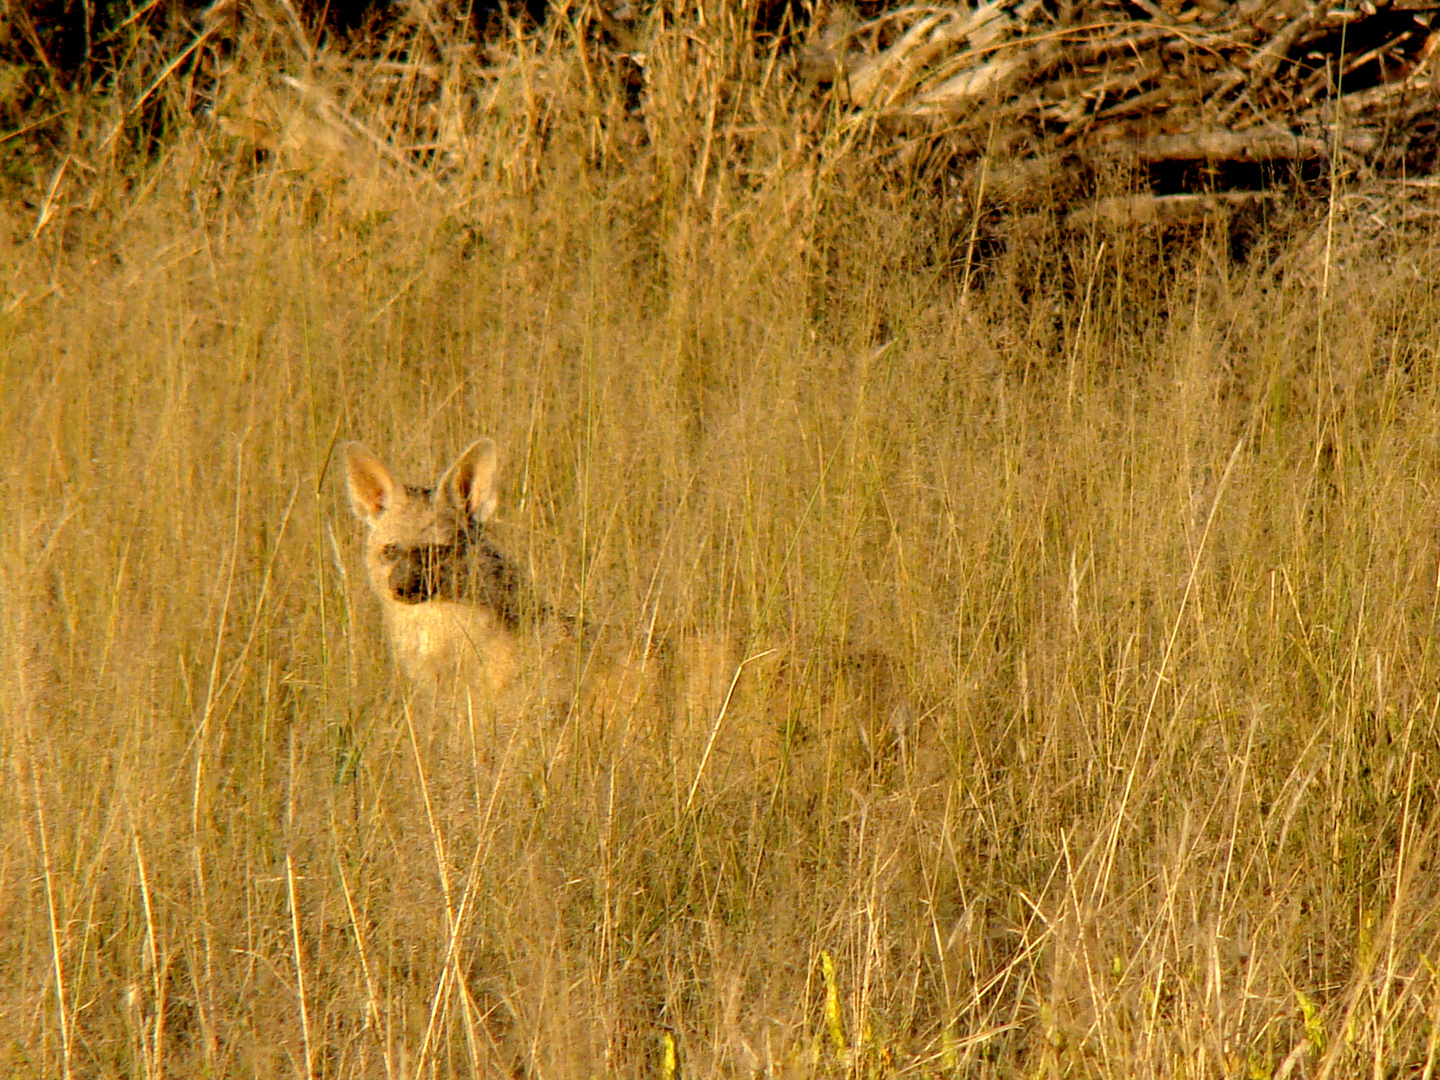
(1203,103)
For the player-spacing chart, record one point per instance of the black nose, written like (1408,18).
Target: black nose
(415,578)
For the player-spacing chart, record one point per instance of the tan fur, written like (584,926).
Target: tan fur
(448,642)
(485,636)
(468,629)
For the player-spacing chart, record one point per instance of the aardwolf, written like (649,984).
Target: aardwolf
(455,608)
(465,622)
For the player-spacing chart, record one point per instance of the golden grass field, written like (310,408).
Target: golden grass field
(1145,539)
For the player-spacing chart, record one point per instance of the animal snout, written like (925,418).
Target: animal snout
(417,576)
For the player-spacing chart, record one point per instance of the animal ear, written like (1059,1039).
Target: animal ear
(371,486)
(469,484)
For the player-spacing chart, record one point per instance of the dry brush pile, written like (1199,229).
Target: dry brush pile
(1196,98)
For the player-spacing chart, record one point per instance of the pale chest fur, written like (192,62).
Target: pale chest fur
(443,644)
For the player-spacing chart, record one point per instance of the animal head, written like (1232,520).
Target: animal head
(429,544)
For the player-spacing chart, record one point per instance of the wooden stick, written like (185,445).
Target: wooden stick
(1161,210)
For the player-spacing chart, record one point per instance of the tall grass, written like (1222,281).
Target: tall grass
(1144,538)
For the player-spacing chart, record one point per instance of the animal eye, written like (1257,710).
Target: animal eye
(390,552)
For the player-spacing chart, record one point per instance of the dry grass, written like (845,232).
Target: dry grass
(1146,541)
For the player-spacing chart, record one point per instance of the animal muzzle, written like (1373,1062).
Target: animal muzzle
(422,574)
